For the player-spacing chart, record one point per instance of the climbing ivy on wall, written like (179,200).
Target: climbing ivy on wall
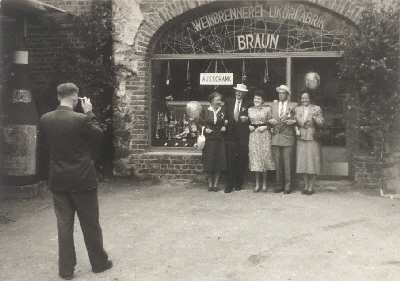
(369,72)
(87,62)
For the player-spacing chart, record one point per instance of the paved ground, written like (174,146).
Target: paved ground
(179,231)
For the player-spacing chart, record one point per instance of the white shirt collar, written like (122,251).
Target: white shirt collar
(210,108)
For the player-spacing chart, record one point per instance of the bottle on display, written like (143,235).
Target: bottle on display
(19,128)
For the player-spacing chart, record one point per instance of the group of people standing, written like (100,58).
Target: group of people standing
(240,135)
(250,135)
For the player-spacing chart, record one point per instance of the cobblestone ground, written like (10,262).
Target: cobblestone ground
(166,231)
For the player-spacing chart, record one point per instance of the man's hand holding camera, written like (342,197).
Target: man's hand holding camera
(86,104)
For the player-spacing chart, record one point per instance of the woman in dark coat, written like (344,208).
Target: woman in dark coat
(308,118)
(214,155)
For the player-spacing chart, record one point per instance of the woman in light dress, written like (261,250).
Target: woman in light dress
(309,119)
(260,156)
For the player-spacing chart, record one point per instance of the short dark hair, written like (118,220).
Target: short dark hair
(305,91)
(213,96)
(67,89)
(261,94)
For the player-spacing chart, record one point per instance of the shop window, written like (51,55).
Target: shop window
(176,82)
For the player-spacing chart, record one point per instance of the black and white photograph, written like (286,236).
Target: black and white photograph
(200,140)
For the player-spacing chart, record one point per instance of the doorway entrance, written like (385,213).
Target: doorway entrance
(327,95)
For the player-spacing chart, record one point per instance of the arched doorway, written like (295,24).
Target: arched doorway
(262,44)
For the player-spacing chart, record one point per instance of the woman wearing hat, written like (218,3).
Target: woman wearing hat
(308,118)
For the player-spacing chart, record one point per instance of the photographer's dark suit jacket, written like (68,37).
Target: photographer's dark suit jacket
(72,138)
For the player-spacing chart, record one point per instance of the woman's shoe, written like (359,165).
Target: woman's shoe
(305,191)
(310,192)
(264,189)
(210,188)
(215,189)
(257,189)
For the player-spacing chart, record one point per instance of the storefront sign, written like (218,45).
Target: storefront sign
(216,78)
(278,26)
(258,40)
(285,12)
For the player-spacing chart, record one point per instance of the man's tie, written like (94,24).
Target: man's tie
(282,110)
(236,111)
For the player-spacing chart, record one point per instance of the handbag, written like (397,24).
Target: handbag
(201,140)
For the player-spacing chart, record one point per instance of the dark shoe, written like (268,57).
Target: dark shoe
(304,191)
(287,192)
(238,188)
(257,189)
(228,190)
(215,189)
(210,188)
(108,265)
(67,277)
(277,190)
(264,190)
(310,192)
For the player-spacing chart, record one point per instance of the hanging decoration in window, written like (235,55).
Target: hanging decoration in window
(244,76)
(168,74)
(216,71)
(266,76)
(312,80)
(252,27)
(188,85)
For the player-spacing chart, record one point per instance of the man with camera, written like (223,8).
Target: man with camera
(71,137)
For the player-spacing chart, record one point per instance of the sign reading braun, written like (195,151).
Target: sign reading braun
(216,78)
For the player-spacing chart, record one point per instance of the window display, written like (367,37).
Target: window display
(177,82)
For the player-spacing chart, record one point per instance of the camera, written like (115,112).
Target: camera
(79,107)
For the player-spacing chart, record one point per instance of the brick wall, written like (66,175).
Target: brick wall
(158,165)
(71,6)
(368,172)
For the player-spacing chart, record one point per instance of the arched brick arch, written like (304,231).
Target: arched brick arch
(345,8)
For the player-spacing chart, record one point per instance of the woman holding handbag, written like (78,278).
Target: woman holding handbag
(260,154)
(309,119)
(213,153)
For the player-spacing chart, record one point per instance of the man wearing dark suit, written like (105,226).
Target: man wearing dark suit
(72,137)
(283,137)
(237,138)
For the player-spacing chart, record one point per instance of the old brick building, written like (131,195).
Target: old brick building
(165,45)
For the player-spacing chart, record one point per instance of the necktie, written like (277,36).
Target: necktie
(236,112)
(282,110)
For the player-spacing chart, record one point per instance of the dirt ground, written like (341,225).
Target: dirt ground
(161,231)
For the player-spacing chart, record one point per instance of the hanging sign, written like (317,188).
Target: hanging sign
(216,78)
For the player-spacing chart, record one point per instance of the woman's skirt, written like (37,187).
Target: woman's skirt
(214,156)
(309,157)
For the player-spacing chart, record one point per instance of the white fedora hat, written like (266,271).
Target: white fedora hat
(241,87)
(283,87)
